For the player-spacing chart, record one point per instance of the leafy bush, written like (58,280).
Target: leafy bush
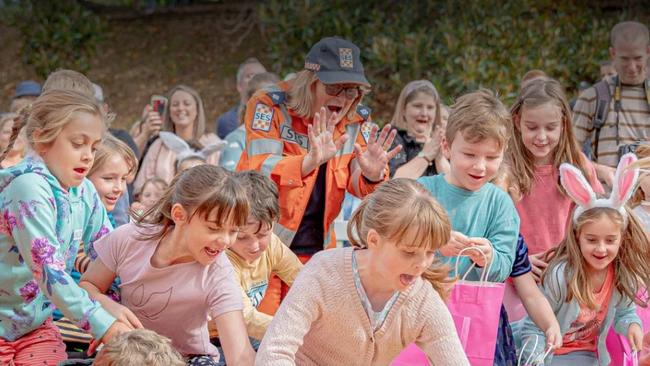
(460,46)
(55,34)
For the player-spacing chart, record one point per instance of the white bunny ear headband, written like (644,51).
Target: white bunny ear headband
(583,195)
(184,151)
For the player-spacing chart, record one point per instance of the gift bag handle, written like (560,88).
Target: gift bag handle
(532,357)
(486,269)
(634,357)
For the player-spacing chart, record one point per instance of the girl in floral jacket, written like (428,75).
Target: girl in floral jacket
(47,208)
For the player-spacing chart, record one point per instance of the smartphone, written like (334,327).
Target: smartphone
(158,104)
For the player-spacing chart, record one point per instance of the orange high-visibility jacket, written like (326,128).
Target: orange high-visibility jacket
(276,144)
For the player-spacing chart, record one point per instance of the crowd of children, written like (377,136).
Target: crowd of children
(191,275)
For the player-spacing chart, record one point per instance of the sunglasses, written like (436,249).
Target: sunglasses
(350,92)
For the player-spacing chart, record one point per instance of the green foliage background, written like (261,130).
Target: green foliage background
(460,46)
(55,33)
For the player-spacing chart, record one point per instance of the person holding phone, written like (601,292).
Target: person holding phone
(185,117)
(420,132)
(147,128)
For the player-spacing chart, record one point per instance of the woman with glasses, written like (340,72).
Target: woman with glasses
(311,136)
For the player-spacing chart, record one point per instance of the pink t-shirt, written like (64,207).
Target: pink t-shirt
(545,210)
(174,301)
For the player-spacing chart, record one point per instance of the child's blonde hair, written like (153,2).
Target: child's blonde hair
(201,190)
(642,152)
(139,347)
(199,124)
(479,115)
(411,91)
(403,211)
(69,80)
(50,113)
(111,146)
(520,161)
(6,118)
(631,265)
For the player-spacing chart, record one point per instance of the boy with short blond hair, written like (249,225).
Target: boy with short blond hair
(139,347)
(482,215)
(257,253)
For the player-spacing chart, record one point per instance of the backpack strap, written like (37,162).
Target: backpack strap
(603,97)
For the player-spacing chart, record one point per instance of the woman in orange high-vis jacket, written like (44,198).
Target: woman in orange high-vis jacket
(315,141)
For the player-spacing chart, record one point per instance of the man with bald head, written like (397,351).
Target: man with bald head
(626,118)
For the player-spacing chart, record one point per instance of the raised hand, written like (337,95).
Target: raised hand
(322,146)
(373,160)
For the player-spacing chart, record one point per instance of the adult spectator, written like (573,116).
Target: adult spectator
(229,121)
(607,69)
(185,116)
(236,140)
(26,92)
(626,116)
(311,136)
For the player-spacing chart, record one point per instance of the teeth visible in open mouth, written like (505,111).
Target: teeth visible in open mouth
(211,252)
(406,279)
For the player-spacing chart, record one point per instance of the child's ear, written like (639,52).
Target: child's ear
(372,240)
(446,149)
(39,147)
(179,214)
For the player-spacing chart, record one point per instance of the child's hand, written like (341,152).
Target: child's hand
(121,313)
(485,246)
(538,265)
(115,329)
(456,243)
(554,336)
(635,337)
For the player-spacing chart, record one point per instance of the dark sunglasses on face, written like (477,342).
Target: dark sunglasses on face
(349,92)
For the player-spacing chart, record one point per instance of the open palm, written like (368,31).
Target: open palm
(322,146)
(373,160)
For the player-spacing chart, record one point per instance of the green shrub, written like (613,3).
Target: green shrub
(460,46)
(56,34)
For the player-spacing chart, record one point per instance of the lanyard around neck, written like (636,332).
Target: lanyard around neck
(617,92)
(618,100)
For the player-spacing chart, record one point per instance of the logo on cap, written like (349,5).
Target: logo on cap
(345,58)
(312,66)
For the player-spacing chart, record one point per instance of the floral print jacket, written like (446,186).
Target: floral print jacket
(41,226)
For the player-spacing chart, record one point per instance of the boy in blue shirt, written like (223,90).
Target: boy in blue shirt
(481,214)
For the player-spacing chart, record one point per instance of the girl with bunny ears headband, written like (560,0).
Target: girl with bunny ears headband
(592,281)
(185,152)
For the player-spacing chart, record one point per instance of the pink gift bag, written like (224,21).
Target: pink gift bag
(476,306)
(617,345)
(411,356)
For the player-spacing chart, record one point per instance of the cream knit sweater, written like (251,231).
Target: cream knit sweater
(322,322)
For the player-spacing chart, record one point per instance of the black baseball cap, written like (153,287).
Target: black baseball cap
(336,61)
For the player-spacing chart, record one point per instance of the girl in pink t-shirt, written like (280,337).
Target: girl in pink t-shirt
(173,272)
(543,139)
